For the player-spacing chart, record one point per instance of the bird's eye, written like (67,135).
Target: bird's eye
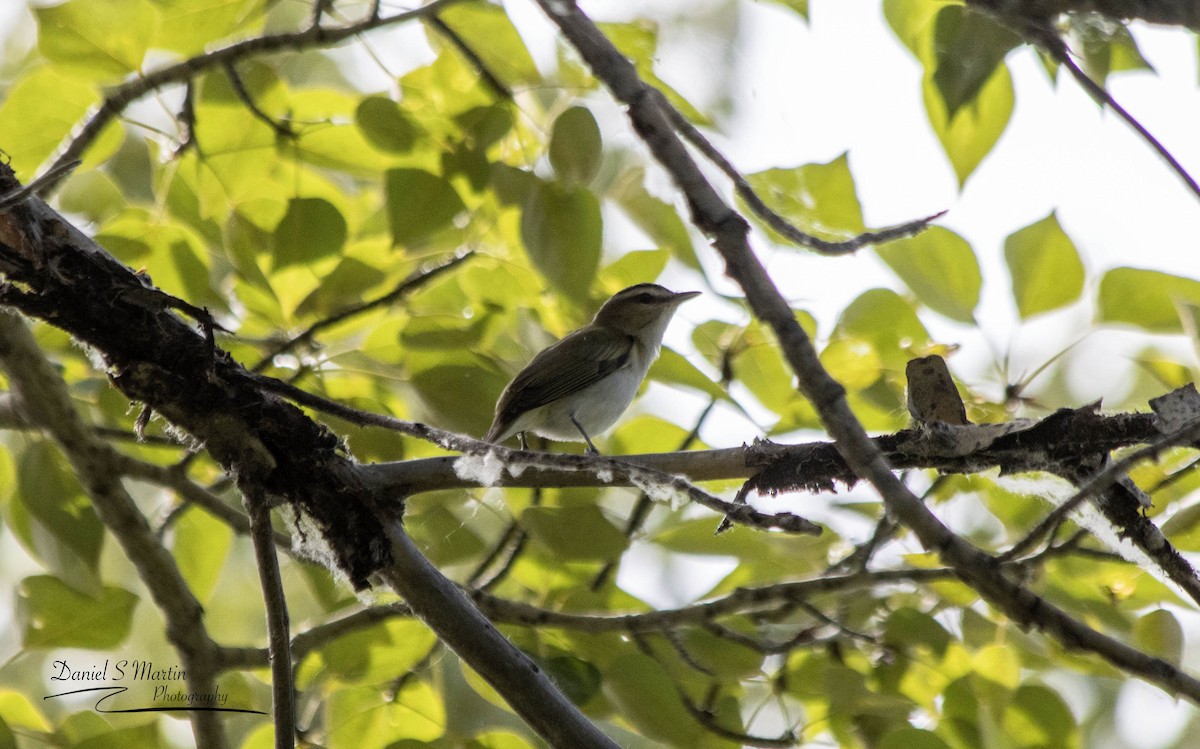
(645,298)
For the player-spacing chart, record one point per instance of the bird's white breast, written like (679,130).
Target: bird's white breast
(596,407)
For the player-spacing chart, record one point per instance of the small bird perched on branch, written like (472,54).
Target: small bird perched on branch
(581,385)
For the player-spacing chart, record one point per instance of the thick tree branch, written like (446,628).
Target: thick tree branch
(729,233)
(44,398)
(813,466)
(276,452)
(449,613)
(1169,12)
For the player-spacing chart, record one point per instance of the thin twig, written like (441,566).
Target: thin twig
(1098,483)
(278,638)
(187,122)
(44,182)
(121,96)
(1057,49)
(320,7)
(767,214)
(491,79)
(708,721)
(281,129)
(641,508)
(414,281)
(511,544)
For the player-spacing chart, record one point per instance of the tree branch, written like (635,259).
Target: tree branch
(1170,12)
(275,603)
(729,231)
(273,449)
(414,281)
(811,466)
(44,398)
(121,96)
(452,616)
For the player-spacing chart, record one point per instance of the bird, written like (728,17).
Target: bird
(579,386)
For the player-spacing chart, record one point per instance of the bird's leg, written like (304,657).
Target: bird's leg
(591,448)
(521,439)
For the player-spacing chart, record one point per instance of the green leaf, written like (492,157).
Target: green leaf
(513,186)
(180,263)
(967,47)
(487,32)
(1104,47)
(970,134)
(344,285)
(799,7)
(460,389)
(146,736)
(912,23)
(967,88)
(1145,298)
(636,266)
(311,229)
(419,203)
(38,112)
(562,231)
(376,653)
(886,319)
(575,146)
(907,737)
(201,546)
(575,533)
(908,628)
(1183,529)
(852,362)
(91,194)
(674,368)
(364,718)
(51,615)
(759,365)
(7,739)
(443,536)
(657,218)
(940,268)
(97,38)
(819,199)
(385,125)
(54,520)
(187,26)
(646,696)
(1045,267)
(723,658)
(578,679)
(1158,633)
(638,40)
(243,241)
(484,126)
(1038,717)
(498,740)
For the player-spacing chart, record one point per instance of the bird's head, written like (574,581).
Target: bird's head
(641,308)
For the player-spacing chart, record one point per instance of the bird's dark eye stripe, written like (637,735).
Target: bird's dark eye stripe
(645,298)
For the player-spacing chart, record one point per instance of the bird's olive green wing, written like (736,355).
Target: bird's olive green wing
(577,361)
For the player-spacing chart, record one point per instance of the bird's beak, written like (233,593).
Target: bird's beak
(682,296)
